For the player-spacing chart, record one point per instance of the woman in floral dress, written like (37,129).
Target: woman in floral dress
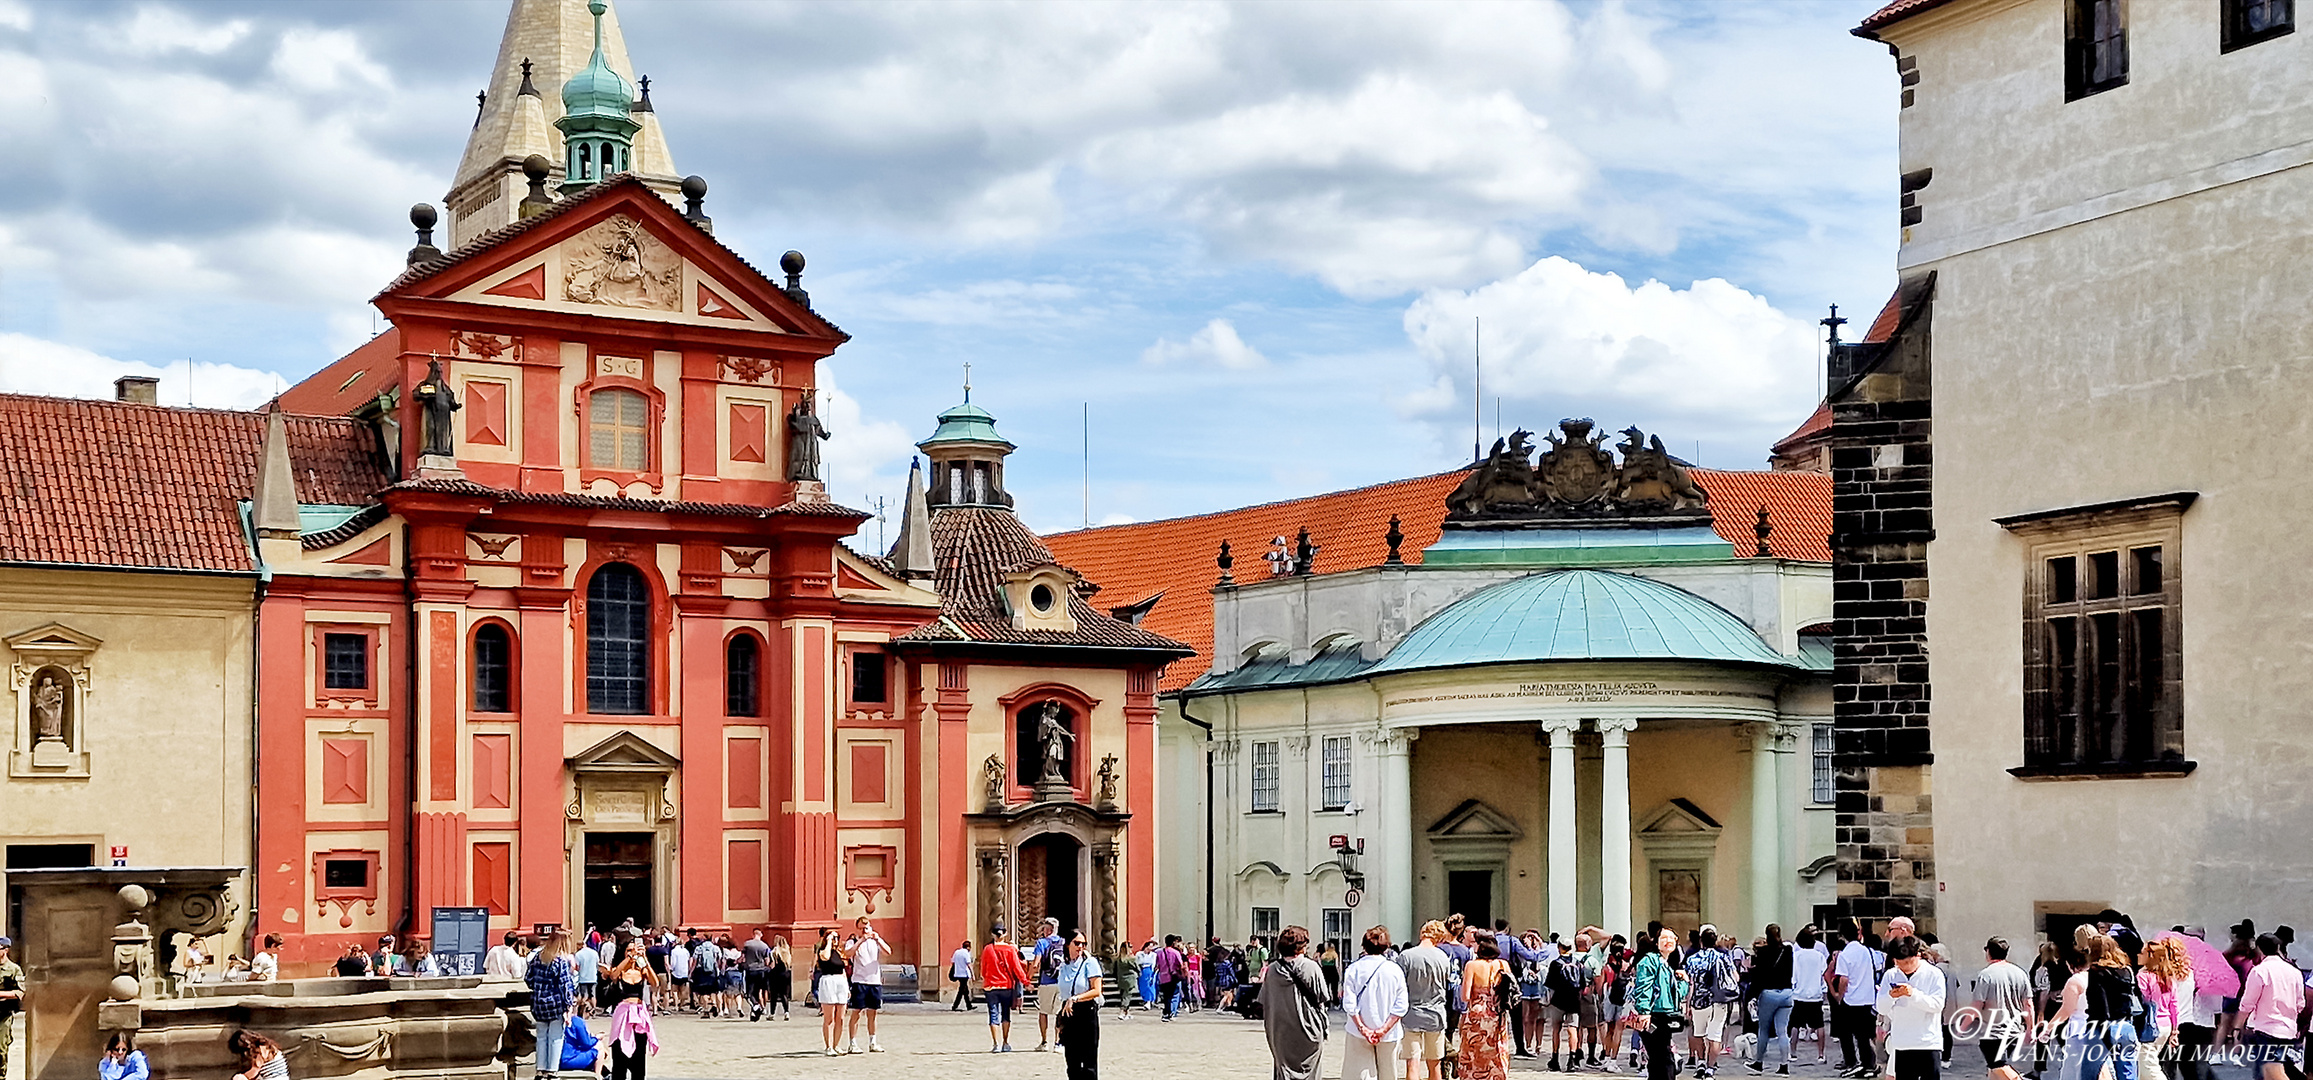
(1483,1016)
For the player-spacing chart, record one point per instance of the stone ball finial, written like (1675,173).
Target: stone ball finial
(134,897)
(123,988)
(792,263)
(694,187)
(424,216)
(536,167)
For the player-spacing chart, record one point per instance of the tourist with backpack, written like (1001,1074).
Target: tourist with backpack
(1716,987)
(1562,988)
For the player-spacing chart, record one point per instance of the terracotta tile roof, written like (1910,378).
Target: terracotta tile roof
(1892,14)
(1176,555)
(973,548)
(606,502)
(1883,327)
(353,381)
(1816,423)
(111,484)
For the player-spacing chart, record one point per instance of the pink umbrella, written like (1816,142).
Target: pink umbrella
(2212,973)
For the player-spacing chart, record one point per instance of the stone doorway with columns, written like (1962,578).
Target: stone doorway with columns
(1052,858)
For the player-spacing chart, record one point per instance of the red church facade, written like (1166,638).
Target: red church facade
(604,659)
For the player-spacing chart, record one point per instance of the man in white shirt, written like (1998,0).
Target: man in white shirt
(1911,1000)
(1373,994)
(2004,998)
(1857,990)
(960,972)
(585,966)
(867,983)
(1810,964)
(502,962)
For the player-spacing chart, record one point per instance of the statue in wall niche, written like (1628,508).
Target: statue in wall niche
(804,434)
(438,401)
(48,709)
(1108,780)
(1054,738)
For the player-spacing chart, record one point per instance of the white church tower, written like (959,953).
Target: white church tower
(546,42)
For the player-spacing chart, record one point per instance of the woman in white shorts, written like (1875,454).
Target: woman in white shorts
(832,988)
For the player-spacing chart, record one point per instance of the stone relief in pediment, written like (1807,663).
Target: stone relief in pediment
(619,262)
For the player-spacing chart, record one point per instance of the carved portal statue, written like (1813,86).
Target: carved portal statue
(993,771)
(439,401)
(1108,780)
(1053,737)
(804,434)
(48,709)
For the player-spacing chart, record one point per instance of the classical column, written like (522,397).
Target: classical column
(1766,834)
(1392,749)
(1565,915)
(1614,824)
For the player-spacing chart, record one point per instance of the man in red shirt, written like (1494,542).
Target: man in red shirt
(1002,976)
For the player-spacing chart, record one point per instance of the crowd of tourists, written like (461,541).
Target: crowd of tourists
(1468,1000)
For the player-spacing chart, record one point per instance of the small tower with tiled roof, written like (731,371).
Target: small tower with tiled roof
(598,124)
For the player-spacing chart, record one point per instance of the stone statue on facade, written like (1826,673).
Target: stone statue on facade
(48,709)
(992,771)
(438,402)
(1505,478)
(1576,469)
(1577,480)
(804,434)
(1053,738)
(1107,795)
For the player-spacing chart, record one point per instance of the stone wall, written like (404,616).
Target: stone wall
(1882,509)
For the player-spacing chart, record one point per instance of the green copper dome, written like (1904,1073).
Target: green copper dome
(597,90)
(966,423)
(1578,615)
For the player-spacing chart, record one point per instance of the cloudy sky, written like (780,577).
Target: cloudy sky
(1250,239)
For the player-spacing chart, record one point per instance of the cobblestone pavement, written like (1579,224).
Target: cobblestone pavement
(929,1040)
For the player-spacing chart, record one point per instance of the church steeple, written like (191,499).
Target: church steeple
(557,39)
(967,458)
(598,123)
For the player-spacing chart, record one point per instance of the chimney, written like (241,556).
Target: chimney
(137,389)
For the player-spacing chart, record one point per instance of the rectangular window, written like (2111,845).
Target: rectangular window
(1264,777)
(345,873)
(345,661)
(1338,932)
(618,430)
(2248,22)
(2101,658)
(2095,46)
(1266,922)
(869,685)
(1335,771)
(1824,790)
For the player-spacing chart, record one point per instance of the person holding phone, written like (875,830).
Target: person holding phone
(1078,995)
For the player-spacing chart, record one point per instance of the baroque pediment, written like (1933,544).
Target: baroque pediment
(624,752)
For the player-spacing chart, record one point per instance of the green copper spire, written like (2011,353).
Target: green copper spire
(597,123)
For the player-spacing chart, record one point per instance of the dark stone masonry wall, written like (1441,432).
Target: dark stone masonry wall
(1882,510)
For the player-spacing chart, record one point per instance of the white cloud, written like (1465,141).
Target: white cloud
(1710,361)
(30,365)
(981,303)
(157,30)
(1116,519)
(864,457)
(1216,343)
(15,15)
(315,60)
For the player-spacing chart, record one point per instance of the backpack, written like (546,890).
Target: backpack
(1726,984)
(1565,982)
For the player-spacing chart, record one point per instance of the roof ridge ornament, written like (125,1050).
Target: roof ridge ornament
(1577,480)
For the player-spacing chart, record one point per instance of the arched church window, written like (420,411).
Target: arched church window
(618,654)
(618,430)
(742,677)
(493,669)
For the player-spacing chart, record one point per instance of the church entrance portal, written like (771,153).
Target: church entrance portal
(1051,882)
(619,869)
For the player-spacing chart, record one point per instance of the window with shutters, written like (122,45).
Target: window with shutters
(2103,663)
(618,430)
(1334,771)
(2247,22)
(2095,46)
(618,654)
(1264,777)
(743,676)
(493,669)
